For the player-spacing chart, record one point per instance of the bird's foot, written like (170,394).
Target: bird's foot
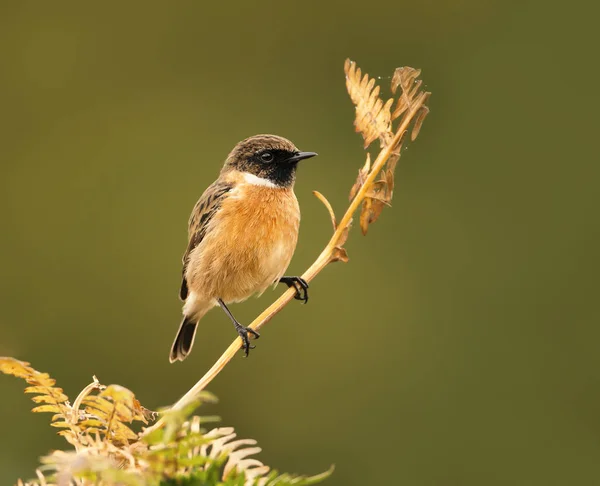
(243,333)
(299,284)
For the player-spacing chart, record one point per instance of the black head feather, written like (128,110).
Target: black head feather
(269,157)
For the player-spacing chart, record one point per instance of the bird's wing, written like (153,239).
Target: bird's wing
(206,207)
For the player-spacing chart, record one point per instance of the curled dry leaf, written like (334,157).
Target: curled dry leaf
(339,254)
(390,168)
(422,113)
(365,215)
(344,236)
(379,194)
(371,209)
(324,200)
(373,116)
(127,406)
(406,79)
(94,385)
(362,177)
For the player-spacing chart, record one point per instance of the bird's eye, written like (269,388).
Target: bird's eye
(266,156)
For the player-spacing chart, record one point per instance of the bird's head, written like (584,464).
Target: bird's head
(269,157)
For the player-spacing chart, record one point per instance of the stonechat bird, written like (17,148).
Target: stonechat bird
(242,234)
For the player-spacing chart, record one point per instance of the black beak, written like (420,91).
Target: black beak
(298,156)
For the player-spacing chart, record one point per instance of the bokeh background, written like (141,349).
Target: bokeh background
(460,344)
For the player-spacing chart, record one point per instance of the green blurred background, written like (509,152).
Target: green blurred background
(460,344)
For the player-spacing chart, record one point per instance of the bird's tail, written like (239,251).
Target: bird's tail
(182,346)
(193,311)
(185,339)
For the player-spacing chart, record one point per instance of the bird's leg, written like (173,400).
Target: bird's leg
(241,330)
(299,284)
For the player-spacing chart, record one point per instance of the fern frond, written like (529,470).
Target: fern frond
(43,387)
(107,452)
(373,116)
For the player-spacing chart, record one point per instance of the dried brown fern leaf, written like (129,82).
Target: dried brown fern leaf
(108,412)
(407,79)
(421,114)
(363,173)
(327,204)
(411,106)
(379,193)
(339,253)
(43,387)
(375,199)
(373,116)
(105,410)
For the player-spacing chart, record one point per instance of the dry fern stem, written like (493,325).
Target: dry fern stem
(375,119)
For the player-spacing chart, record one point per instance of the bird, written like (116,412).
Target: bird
(242,234)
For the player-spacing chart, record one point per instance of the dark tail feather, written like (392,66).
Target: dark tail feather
(184,340)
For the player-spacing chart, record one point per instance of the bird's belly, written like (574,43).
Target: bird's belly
(254,271)
(246,250)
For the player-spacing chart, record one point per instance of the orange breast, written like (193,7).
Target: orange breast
(249,244)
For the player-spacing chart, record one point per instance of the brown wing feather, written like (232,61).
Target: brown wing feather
(206,207)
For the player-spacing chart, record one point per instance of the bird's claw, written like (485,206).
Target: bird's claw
(243,333)
(300,286)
